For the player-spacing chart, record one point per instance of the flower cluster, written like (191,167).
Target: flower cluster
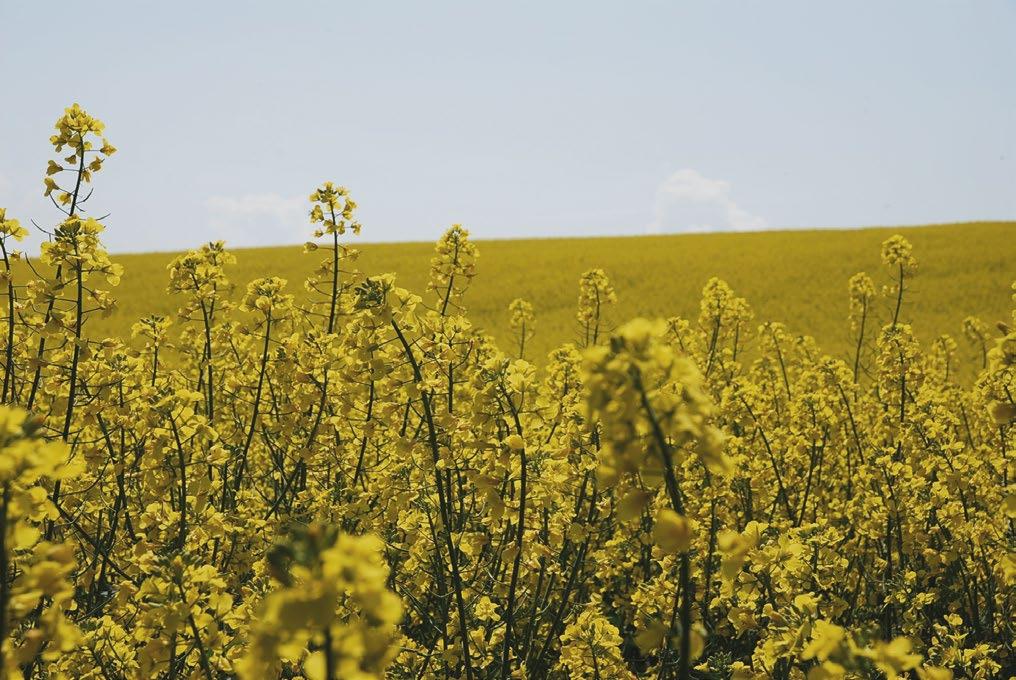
(80,133)
(37,591)
(595,293)
(330,596)
(453,267)
(522,322)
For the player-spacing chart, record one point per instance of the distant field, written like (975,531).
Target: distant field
(798,277)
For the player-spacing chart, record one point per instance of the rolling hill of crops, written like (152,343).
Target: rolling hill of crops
(797,277)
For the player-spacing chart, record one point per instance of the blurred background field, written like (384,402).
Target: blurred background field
(797,277)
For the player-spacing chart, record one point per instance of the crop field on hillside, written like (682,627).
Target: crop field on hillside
(796,277)
(743,458)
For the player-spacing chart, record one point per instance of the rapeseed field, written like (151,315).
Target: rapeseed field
(796,277)
(744,458)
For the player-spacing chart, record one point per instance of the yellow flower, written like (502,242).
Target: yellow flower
(12,421)
(673,532)
(894,657)
(826,639)
(515,442)
(632,504)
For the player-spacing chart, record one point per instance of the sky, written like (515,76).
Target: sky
(516,119)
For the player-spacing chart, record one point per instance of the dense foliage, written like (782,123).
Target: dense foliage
(366,486)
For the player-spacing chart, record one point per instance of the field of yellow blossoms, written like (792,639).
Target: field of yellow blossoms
(364,486)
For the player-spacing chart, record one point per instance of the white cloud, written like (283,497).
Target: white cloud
(689,201)
(258,219)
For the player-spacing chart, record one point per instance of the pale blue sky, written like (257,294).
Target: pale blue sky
(517,119)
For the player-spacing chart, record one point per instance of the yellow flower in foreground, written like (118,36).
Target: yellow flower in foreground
(673,532)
